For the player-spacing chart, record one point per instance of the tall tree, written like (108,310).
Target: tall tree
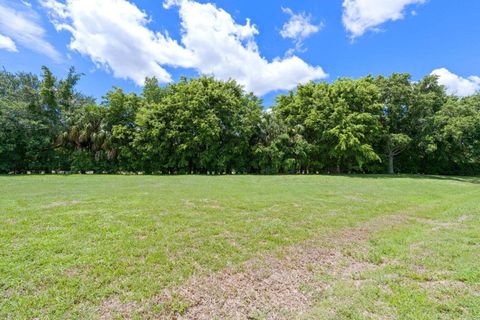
(205,125)
(429,97)
(457,136)
(340,122)
(354,122)
(200,125)
(397,93)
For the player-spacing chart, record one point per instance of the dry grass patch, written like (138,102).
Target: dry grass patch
(273,286)
(57,204)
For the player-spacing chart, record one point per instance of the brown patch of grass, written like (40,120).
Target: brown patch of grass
(72,272)
(116,309)
(464,218)
(273,287)
(61,204)
(438,284)
(203,203)
(438,225)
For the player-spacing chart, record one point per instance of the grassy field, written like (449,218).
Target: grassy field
(89,247)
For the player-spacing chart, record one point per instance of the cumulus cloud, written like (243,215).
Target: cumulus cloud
(20,24)
(7,44)
(360,16)
(298,27)
(115,34)
(457,85)
(228,50)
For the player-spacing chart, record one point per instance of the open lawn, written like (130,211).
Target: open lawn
(240,247)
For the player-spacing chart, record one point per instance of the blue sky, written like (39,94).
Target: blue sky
(268,46)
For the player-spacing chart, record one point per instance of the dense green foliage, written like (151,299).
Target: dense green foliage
(203,125)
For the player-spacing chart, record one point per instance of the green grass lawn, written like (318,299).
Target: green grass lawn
(70,243)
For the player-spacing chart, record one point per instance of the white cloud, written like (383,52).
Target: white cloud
(7,44)
(457,85)
(360,16)
(26,3)
(22,25)
(228,50)
(115,34)
(298,27)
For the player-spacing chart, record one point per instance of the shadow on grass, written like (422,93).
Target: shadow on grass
(465,179)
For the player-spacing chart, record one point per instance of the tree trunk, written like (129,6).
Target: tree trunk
(390,164)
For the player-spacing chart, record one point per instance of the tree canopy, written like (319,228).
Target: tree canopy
(203,125)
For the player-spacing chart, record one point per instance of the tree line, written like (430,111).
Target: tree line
(203,125)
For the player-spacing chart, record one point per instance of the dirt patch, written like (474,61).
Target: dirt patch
(202,204)
(115,309)
(445,224)
(464,218)
(72,272)
(276,286)
(438,225)
(273,287)
(61,204)
(355,198)
(447,284)
(443,290)
(187,203)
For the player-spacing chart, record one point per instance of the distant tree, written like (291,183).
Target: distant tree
(48,89)
(205,125)
(354,122)
(304,110)
(397,96)
(340,121)
(429,97)
(37,109)
(152,92)
(200,125)
(66,96)
(268,152)
(457,136)
(120,120)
